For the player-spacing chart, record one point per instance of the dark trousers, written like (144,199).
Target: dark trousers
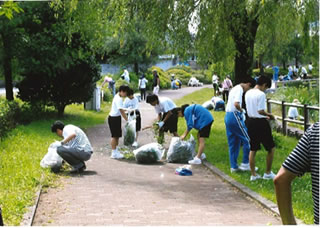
(225,95)
(73,156)
(143,94)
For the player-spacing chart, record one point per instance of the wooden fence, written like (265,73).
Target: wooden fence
(284,118)
(310,82)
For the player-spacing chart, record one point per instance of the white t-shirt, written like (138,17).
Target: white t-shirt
(303,70)
(142,83)
(310,67)
(117,104)
(80,142)
(215,79)
(165,105)
(131,103)
(216,99)
(235,95)
(126,75)
(293,112)
(255,101)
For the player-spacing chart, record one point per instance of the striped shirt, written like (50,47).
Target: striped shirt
(80,142)
(305,158)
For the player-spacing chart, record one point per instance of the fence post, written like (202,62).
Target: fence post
(268,105)
(306,117)
(284,123)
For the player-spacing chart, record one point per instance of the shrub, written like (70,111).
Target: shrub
(165,82)
(107,95)
(180,74)
(9,112)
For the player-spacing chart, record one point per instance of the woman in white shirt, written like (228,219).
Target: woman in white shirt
(293,111)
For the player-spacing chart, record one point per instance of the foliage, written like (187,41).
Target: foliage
(216,151)
(20,155)
(182,75)
(165,81)
(9,113)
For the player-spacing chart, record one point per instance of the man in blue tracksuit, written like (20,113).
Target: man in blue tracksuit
(237,132)
(199,118)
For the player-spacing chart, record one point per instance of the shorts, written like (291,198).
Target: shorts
(115,126)
(205,131)
(172,123)
(259,132)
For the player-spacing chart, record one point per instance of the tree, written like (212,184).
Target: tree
(9,32)
(57,69)
(224,27)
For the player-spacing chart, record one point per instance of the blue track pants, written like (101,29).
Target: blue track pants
(237,134)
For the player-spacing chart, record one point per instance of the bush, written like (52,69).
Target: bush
(107,95)
(9,112)
(165,82)
(180,74)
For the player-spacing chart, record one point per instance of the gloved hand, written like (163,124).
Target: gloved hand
(160,123)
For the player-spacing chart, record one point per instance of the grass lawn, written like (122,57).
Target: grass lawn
(217,154)
(20,155)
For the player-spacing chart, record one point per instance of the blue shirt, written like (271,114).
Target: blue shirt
(197,117)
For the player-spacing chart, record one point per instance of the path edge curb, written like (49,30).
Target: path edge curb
(272,207)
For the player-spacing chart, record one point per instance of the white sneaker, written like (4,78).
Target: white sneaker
(195,161)
(246,167)
(269,176)
(256,177)
(135,144)
(116,155)
(232,170)
(203,156)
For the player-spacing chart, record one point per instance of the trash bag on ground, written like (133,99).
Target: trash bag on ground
(130,130)
(149,153)
(181,151)
(208,105)
(52,159)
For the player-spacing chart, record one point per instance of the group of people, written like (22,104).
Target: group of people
(295,72)
(248,129)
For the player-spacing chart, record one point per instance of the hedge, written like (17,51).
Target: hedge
(9,113)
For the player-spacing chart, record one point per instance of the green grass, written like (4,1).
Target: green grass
(217,154)
(20,155)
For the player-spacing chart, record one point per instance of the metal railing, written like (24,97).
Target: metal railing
(284,118)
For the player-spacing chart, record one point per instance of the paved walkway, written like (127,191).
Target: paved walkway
(113,192)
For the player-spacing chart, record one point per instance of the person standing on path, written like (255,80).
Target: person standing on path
(258,126)
(114,120)
(304,158)
(275,73)
(156,82)
(132,104)
(75,147)
(226,86)
(199,118)
(215,83)
(142,84)
(167,113)
(236,129)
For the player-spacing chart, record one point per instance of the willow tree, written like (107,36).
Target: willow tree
(223,28)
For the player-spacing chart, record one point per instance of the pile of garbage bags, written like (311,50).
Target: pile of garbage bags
(149,153)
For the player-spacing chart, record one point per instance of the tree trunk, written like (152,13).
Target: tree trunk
(284,64)
(261,64)
(60,109)
(136,68)
(7,68)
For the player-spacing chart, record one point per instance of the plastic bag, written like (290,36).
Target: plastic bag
(52,159)
(130,130)
(181,151)
(149,153)
(208,105)
(184,170)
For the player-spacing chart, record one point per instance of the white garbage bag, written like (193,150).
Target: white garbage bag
(130,130)
(181,151)
(149,153)
(52,159)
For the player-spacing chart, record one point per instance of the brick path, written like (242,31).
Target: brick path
(113,192)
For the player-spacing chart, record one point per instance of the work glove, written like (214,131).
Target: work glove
(160,123)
